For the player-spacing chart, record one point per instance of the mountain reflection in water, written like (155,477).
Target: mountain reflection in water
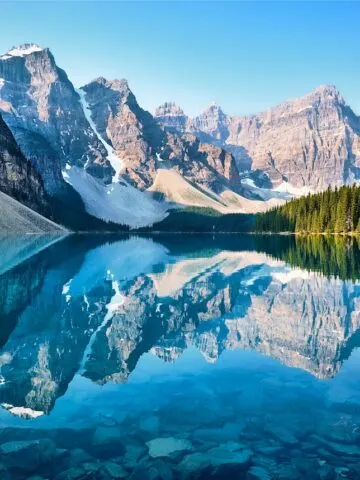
(91,311)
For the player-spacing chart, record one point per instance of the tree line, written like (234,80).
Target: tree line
(333,256)
(331,211)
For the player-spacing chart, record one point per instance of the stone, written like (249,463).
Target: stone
(229,432)
(157,470)
(150,424)
(132,455)
(27,455)
(75,473)
(163,447)
(287,472)
(282,434)
(326,472)
(111,470)
(258,473)
(194,462)
(340,448)
(77,456)
(224,456)
(107,442)
(216,458)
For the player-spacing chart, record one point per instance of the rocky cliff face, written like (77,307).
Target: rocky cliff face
(43,110)
(91,139)
(312,141)
(144,148)
(18,178)
(171,117)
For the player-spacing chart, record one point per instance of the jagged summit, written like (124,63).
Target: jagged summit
(22,50)
(115,84)
(170,109)
(214,106)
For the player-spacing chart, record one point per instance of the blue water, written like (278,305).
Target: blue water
(178,357)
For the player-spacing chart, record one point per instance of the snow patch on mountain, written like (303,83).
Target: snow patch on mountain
(114,160)
(286,187)
(21,51)
(118,202)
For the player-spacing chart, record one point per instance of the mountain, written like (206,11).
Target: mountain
(18,178)
(307,143)
(176,167)
(99,154)
(44,112)
(172,117)
(16,218)
(143,147)
(23,200)
(97,150)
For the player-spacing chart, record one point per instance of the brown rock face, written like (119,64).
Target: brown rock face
(144,147)
(312,141)
(18,178)
(171,117)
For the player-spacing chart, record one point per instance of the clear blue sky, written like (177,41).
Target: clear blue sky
(245,56)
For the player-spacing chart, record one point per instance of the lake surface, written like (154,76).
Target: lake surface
(179,357)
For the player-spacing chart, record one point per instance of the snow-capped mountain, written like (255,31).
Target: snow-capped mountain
(99,142)
(44,112)
(96,149)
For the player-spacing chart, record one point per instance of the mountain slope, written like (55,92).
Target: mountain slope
(312,141)
(16,218)
(143,147)
(180,190)
(17,176)
(43,110)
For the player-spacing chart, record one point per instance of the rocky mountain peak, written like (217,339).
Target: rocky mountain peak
(214,108)
(212,123)
(169,109)
(42,109)
(327,91)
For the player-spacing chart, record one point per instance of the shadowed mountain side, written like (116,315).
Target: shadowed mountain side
(16,218)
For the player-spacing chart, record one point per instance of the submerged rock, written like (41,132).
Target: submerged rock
(158,470)
(282,434)
(133,455)
(258,473)
(27,455)
(340,449)
(75,473)
(111,470)
(163,447)
(216,460)
(107,442)
(150,425)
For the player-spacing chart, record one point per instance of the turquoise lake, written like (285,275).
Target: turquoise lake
(179,357)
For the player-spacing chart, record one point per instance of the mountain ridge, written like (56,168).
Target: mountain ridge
(101,132)
(270,141)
